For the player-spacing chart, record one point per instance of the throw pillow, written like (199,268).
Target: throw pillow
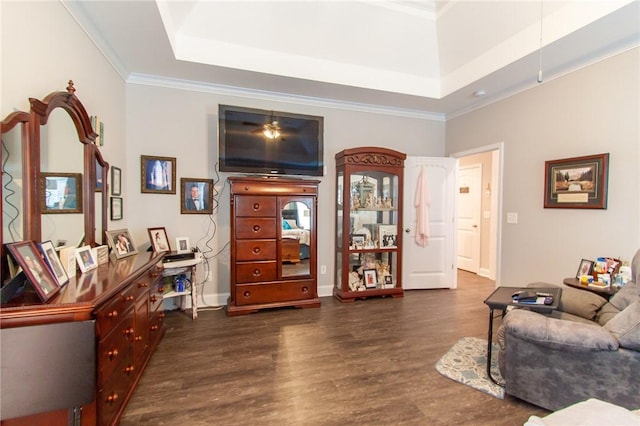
(579,302)
(626,327)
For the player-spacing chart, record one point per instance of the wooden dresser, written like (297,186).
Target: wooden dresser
(124,300)
(264,272)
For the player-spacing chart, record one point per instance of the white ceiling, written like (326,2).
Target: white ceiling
(422,57)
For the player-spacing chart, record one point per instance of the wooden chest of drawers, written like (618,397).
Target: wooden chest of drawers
(258,249)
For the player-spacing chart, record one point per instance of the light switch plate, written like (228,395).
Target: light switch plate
(512,217)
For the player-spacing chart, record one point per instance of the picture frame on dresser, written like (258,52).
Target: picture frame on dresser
(182,245)
(27,256)
(121,243)
(158,238)
(86,260)
(53,262)
(370,278)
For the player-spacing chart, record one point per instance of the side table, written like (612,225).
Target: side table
(501,299)
(178,267)
(605,292)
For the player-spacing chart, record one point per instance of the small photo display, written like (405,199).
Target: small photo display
(86,260)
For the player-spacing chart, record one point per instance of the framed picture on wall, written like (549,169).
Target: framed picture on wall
(577,183)
(158,174)
(116,208)
(116,181)
(196,196)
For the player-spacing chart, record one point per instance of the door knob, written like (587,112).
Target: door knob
(474,226)
(407,230)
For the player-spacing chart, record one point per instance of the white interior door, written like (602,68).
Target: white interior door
(468,221)
(432,266)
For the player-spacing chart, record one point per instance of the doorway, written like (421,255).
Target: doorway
(478,210)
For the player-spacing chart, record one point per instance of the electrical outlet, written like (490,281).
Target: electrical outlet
(512,217)
(323,269)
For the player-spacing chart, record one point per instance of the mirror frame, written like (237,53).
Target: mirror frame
(9,123)
(39,114)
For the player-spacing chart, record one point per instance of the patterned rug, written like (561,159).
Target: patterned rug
(466,362)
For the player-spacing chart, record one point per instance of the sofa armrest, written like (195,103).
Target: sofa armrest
(558,334)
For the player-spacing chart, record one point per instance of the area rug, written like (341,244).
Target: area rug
(466,362)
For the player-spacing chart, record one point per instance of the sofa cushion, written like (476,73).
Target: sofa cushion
(626,327)
(558,334)
(576,301)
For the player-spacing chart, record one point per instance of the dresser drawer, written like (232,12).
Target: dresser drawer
(113,394)
(112,313)
(252,228)
(249,294)
(117,347)
(255,272)
(255,250)
(146,281)
(255,206)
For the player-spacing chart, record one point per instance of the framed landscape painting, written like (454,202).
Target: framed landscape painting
(577,183)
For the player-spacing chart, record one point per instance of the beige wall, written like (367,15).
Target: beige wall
(591,111)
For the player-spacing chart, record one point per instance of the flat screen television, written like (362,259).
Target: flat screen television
(269,142)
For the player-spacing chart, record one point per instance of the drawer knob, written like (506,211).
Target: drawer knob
(128,370)
(112,398)
(256,228)
(305,289)
(138,338)
(113,314)
(256,272)
(143,285)
(154,298)
(256,250)
(112,354)
(128,331)
(128,298)
(246,294)
(154,327)
(256,207)
(160,289)
(161,315)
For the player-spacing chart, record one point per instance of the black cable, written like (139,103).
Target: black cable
(8,193)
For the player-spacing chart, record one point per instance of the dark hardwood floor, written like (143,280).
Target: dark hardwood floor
(368,362)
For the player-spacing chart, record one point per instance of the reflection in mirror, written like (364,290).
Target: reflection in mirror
(296,239)
(12,185)
(61,152)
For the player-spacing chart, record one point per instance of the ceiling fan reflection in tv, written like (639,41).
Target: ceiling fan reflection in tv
(269,142)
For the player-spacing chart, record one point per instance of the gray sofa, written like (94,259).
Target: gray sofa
(588,348)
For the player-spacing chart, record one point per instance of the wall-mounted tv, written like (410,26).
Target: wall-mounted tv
(269,142)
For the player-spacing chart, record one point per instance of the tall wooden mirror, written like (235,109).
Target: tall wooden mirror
(54,138)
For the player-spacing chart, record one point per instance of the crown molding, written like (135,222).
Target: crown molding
(219,89)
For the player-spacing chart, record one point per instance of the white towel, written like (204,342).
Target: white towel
(422,202)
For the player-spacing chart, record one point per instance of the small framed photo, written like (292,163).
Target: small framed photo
(116,181)
(585,268)
(196,196)
(116,208)
(577,183)
(388,281)
(121,243)
(60,193)
(182,245)
(387,236)
(159,240)
(370,278)
(357,241)
(85,259)
(158,174)
(53,262)
(27,256)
